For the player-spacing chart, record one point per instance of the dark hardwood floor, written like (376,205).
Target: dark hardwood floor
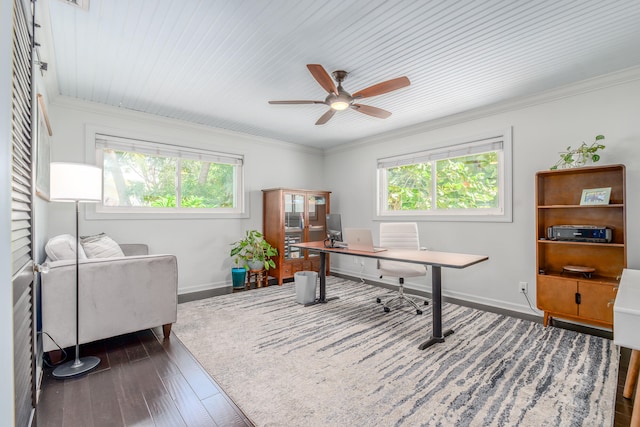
(144,380)
(624,407)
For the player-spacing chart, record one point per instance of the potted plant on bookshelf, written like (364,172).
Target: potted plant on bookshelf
(581,156)
(253,251)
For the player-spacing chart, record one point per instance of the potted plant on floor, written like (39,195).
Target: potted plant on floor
(253,253)
(238,274)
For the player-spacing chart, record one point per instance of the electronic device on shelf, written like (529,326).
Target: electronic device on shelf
(580,233)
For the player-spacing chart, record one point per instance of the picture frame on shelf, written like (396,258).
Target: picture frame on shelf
(43,150)
(595,196)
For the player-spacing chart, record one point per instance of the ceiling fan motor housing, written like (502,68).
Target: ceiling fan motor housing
(340,75)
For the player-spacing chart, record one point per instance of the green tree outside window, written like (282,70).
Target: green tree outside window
(468,182)
(143,180)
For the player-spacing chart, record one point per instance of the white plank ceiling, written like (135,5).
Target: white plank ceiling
(218,62)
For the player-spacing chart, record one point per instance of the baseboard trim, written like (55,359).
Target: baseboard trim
(207,293)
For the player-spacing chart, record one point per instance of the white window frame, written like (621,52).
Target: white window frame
(101,139)
(489,141)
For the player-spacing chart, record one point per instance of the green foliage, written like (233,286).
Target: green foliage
(409,187)
(211,182)
(146,180)
(581,155)
(253,248)
(170,201)
(469,182)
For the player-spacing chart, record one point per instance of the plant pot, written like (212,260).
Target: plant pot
(238,276)
(256,265)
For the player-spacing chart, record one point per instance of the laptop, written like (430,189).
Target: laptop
(360,239)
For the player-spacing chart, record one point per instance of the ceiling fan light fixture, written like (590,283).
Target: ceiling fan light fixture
(339,105)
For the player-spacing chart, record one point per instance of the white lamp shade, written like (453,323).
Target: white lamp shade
(75,182)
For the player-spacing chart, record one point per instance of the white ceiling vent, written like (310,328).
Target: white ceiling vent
(82,4)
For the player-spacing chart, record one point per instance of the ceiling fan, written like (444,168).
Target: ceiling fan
(339,99)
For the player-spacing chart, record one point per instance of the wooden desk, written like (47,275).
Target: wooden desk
(436,260)
(626,320)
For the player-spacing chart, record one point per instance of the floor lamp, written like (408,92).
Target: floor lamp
(78,183)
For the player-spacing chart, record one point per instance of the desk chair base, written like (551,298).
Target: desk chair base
(402,299)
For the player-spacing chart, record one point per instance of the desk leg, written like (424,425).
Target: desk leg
(635,414)
(630,384)
(632,374)
(436,309)
(323,282)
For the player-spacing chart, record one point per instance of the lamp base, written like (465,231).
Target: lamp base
(76,367)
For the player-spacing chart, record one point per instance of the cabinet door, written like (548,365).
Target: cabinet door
(317,217)
(557,295)
(316,225)
(294,218)
(597,300)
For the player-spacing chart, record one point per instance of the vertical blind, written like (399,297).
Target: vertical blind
(21,208)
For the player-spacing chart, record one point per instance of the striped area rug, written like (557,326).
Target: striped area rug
(347,363)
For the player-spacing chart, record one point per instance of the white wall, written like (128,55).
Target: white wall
(201,245)
(540,131)
(542,126)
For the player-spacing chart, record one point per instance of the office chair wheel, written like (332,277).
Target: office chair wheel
(387,309)
(378,300)
(418,311)
(426,303)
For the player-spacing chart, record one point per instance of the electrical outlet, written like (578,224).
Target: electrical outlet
(524,287)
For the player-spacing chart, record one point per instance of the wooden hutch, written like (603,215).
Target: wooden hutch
(294,216)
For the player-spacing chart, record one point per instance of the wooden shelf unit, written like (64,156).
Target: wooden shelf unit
(294,216)
(574,296)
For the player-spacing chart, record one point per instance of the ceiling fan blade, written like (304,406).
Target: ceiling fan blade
(371,111)
(326,116)
(384,87)
(296,102)
(323,78)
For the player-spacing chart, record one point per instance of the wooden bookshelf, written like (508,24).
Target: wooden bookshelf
(584,298)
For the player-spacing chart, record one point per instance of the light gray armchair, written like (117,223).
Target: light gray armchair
(116,296)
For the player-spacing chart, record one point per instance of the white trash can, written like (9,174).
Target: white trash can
(305,286)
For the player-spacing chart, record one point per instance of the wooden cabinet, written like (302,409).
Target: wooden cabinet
(294,216)
(565,294)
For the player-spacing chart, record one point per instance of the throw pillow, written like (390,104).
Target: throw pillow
(63,247)
(101,246)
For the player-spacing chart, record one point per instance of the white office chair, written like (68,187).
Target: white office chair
(401,235)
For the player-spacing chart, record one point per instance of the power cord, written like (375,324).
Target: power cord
(45,357)
(526,296)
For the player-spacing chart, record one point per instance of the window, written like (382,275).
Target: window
(142,176)
(461,181)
